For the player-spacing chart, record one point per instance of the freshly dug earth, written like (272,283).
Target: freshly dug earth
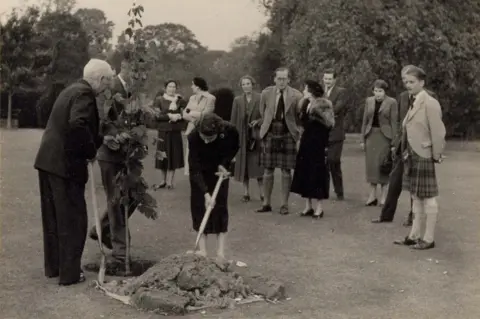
(182,283)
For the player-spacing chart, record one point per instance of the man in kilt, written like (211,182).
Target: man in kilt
(405,101)
(423,141)
(279,134)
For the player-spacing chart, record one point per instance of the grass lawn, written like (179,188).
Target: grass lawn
(339,267)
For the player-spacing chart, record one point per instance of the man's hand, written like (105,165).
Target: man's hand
(111,142)
(362,146)
(254,123)
(209,201)
(122,137)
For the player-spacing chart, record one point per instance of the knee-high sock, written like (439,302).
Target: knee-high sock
(417,208)
(267,187)
(286,182)
(431,210)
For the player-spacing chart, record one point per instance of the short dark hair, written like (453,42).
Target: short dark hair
(201,83)
(282,68)
(331,71)
(380,84)
(417,72)
(210,124)
(315,88)
(171,81)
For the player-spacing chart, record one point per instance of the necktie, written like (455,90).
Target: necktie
(280,107)
(411,99)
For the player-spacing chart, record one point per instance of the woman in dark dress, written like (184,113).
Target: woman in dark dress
(169,107)
(310,179)
(213,144)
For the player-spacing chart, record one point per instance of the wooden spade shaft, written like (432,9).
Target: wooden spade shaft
(98,227)
(221,177)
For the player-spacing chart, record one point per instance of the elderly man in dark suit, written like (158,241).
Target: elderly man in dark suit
(69,141)
(111,160)
(337,95)
(280,136)
(396,176)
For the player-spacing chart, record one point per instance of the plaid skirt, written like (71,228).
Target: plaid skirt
(419,177)
(278,149)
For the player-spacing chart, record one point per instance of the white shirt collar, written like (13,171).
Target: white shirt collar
(122,81)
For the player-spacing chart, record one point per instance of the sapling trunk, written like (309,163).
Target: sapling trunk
(127,241)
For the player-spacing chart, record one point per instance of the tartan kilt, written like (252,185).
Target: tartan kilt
(278,149)
(419,177)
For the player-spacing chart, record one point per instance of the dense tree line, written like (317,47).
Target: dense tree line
(362,40)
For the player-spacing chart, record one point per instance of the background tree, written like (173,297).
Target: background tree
(99,31)
(365,40)
(57,5)
(17,65)
(65,43)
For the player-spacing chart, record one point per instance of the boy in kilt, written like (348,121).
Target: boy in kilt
(279,134)
(423,141)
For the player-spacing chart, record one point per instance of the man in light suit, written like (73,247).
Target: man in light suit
(396,176)
(337,95)
(279,134)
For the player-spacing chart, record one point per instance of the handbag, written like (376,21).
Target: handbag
(387,164)
(251,139)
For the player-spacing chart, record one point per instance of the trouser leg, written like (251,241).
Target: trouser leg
(393,192)
(72,224)
(49,225)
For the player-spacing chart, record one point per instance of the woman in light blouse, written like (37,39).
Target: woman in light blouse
(200,103)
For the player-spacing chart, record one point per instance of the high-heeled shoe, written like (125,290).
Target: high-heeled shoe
(318,216)
(307,213)
(372,203)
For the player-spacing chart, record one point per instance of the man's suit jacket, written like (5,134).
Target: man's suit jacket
(198,105)
(268,102)
(338,99)
(402,111)
(108,126)
(72,134)
(423,127)
(387,117)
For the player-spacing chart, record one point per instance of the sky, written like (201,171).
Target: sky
(216,23)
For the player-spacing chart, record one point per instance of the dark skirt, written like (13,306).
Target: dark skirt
(376,150)
(218,221)
(279,149)
(311,178)
(172,144)
(419,176)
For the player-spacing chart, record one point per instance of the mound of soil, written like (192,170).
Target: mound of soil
(182,283)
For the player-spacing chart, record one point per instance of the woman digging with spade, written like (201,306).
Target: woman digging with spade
(213,145)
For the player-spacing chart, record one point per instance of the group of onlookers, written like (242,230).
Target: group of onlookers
(279,128)
(283,128)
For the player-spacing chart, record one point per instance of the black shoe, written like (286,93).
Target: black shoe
(246,198)
(318,216)
(423,245)
(380,221)
(264,209)
(372,203)
(284,210)
(80,280)
(406,242)
(158,186)
(307,213)
(340,197)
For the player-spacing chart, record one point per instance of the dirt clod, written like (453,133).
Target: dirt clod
(180,283)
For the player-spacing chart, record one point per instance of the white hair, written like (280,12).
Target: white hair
(95,69)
